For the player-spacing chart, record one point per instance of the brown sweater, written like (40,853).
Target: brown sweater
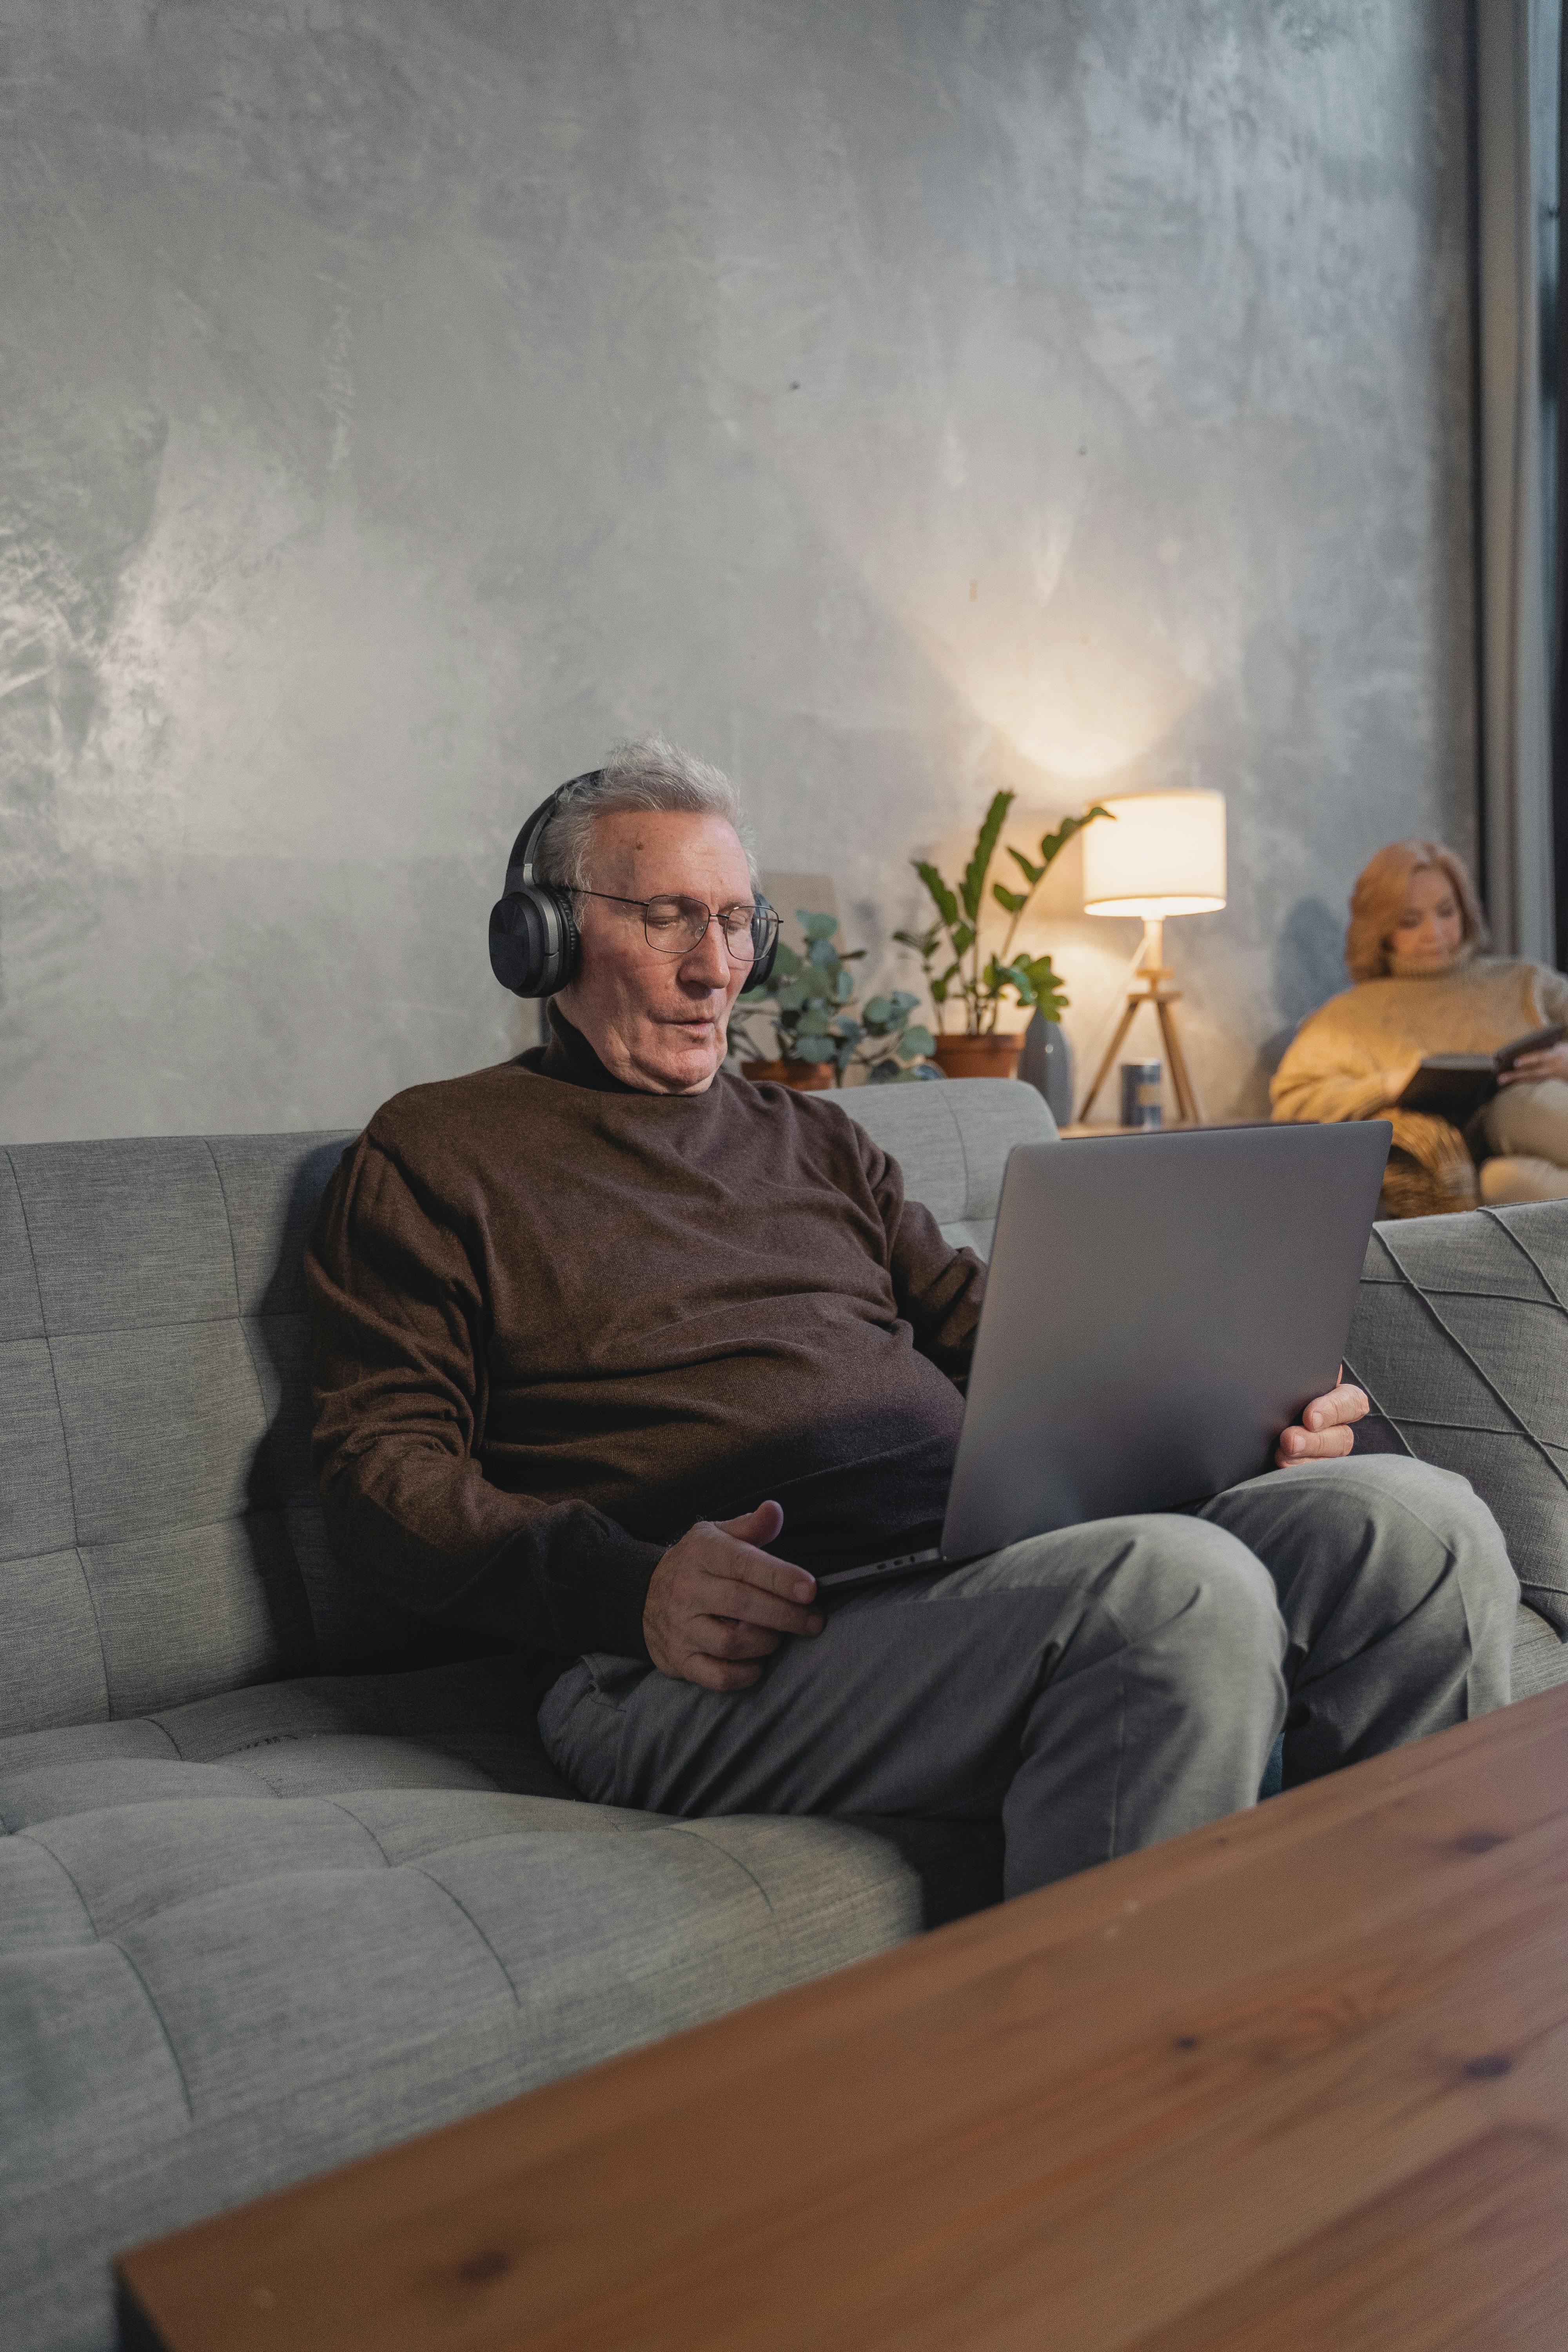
(556,1320)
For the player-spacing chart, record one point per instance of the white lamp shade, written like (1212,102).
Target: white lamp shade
(1164,854)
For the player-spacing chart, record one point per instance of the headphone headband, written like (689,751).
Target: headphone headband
(525,848)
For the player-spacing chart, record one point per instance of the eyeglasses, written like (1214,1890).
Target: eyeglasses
(675,925)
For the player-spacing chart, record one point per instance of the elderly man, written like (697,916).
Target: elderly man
(614,1349)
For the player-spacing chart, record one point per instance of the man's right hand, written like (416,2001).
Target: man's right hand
(718,1606)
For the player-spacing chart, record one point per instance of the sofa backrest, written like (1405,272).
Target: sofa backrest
(951,1140)
(1460,1338)
(160,1534)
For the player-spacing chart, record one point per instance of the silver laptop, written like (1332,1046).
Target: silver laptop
(1158,1309)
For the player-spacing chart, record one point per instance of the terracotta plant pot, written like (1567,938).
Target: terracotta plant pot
(805,1078)
(978,1057)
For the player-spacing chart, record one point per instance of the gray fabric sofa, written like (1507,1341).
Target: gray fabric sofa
(285,1876)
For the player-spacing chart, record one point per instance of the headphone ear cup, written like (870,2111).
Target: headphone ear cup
(569,950)
(764,948)
(535,941)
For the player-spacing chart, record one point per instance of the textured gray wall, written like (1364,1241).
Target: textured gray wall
(405,398)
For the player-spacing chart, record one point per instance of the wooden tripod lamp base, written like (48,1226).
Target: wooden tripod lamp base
(1154,855)
(1151,985)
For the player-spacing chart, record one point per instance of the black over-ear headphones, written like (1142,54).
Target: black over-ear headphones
(534,941)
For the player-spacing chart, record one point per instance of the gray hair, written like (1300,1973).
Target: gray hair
(647,774)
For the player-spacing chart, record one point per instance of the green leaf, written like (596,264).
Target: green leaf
(791,997)
(1053,844)
(902,1000)
(786,963)
(917,1040)
(816,927)
(939,991)
(844,985)
(963,938)
(814,1046)
(1000,977)
(924,944)
(823,954)
(1034,982)
(1014,900)
(972,890)
(878,1008)
(1027,867)
(946,904)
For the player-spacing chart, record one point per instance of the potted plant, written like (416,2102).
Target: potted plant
(953,943)
(819,1039)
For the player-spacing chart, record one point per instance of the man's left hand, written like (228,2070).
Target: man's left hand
(1326,1429)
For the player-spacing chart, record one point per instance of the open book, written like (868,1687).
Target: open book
(1456,1085)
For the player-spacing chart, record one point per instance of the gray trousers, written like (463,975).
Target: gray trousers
(1097,1689)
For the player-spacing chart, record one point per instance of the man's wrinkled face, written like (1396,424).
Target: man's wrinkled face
(658,1021)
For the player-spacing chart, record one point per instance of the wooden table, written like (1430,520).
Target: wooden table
(1298,2080)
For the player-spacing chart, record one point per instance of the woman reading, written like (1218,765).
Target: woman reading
(1423,985)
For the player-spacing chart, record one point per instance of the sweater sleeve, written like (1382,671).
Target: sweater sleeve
(938,1289)
(1328,1073)
(398,1322)
(1551,992)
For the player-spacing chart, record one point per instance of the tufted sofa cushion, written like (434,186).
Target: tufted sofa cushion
(259,1934)
(275,1888)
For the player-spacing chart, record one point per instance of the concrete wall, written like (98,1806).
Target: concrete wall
(406,398)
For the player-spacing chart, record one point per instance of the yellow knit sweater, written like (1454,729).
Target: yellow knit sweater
(1333,1067)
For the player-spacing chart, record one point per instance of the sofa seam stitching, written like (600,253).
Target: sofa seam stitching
(32,1252)
(692,1829)
(238,1302)
(1357,1381)
(1453,1338)
(462,1908)
(268,1447)
(154,1535)
(963,1156)
(65,1445)
(168,1323)
(1553,1295)
(349,1815)
(74,1883)
(1465,1428)
(1488,1298)
(163,2025)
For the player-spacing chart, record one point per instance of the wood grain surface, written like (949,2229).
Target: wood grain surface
(1297,2080)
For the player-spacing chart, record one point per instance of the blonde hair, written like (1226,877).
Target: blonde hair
(1378,902)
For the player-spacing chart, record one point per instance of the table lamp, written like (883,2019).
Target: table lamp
(1164,854)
